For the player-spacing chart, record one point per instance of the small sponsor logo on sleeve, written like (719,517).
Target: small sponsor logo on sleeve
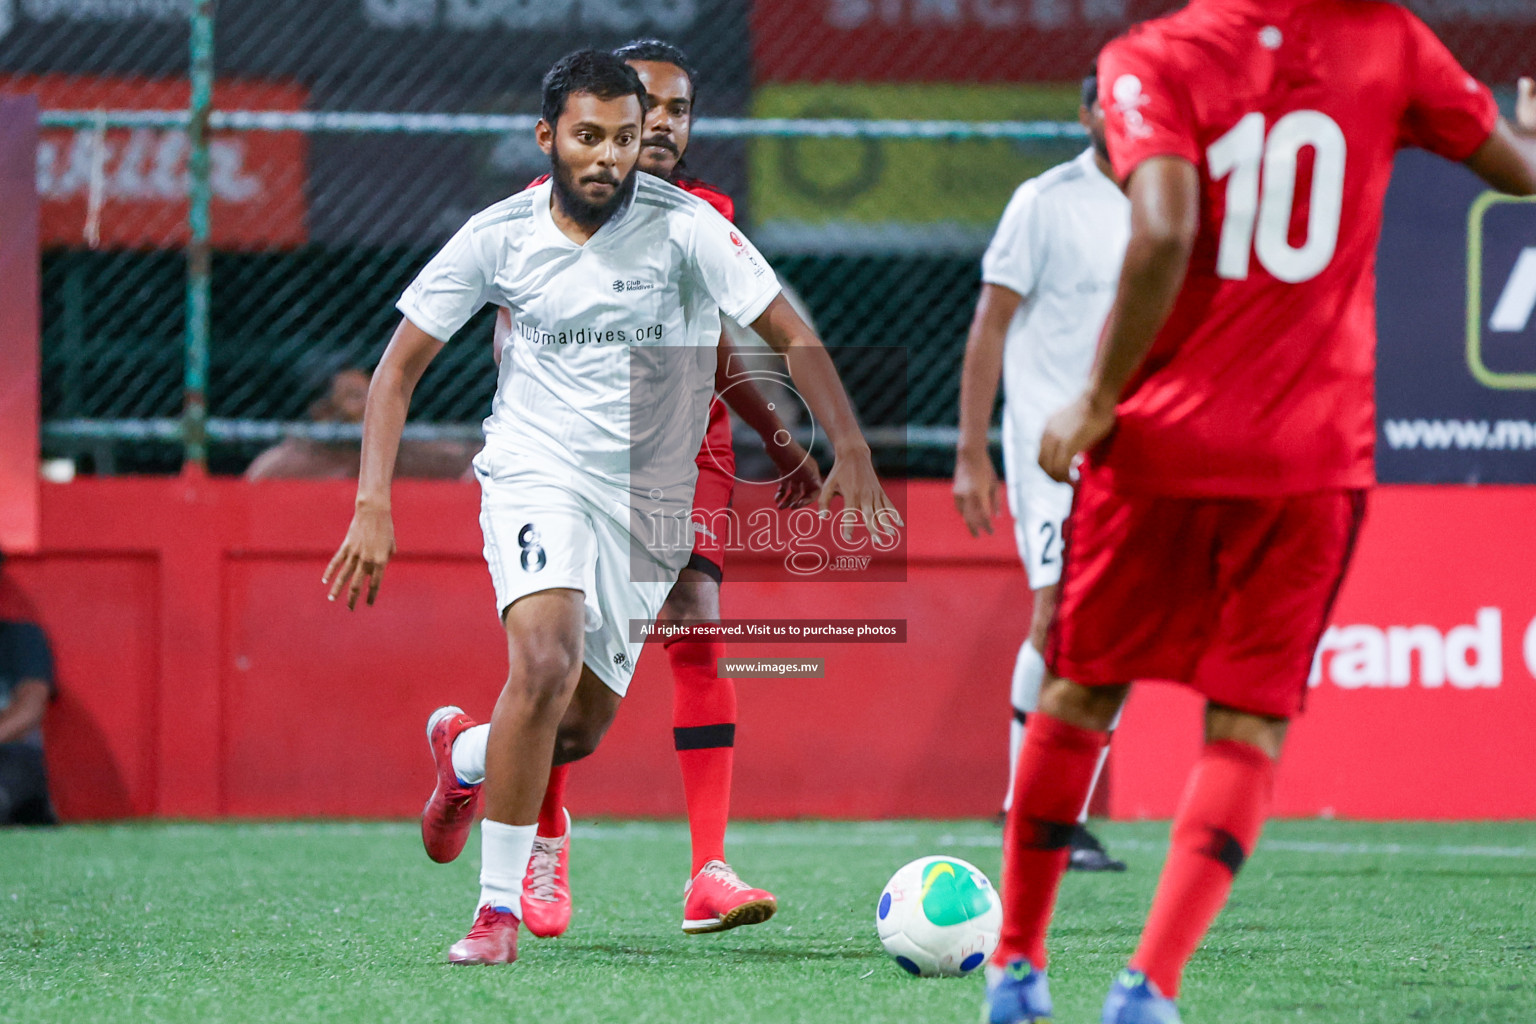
(1129,99)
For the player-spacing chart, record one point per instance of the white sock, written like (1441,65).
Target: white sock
(469,754)
(1028,675)
(1098,769)
(504,853)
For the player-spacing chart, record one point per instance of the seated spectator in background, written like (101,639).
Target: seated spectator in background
(26,687)
(306,458)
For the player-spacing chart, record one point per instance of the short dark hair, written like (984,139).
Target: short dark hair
(1091,89)
(662,52)
(597,72)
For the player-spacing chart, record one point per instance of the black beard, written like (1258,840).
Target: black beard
(588,214)
(1100,145)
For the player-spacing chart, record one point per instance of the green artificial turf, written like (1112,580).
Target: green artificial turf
(1330,922)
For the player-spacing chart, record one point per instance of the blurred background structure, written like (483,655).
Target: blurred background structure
(348,138)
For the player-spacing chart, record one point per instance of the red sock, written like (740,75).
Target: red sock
(704,730)
(1216,827)
(552,810)
(1051,782)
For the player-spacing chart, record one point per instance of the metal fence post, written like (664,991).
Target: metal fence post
(199,251)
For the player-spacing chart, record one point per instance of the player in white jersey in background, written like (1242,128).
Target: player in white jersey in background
(1048,279)
(617,282)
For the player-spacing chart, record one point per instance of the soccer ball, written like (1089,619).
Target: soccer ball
(939,917)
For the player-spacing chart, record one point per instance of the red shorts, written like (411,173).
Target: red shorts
(712,494)
(1227,595)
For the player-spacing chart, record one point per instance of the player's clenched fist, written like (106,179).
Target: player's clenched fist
(362,556)
(1072,430)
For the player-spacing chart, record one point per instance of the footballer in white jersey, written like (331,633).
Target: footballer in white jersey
(616,282)
(1048,280)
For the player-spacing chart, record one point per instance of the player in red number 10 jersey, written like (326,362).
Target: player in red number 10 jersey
(1228,425)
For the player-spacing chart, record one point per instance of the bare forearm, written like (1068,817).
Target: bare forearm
(742,395)
(817,382)
(979,376)
(814,375)
(389,400)
(748,403)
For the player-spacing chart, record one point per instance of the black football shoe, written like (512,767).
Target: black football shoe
(1088,854)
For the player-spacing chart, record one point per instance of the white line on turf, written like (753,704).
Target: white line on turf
(869,833)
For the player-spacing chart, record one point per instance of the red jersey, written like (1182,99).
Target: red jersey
(1262,380)
(716,451)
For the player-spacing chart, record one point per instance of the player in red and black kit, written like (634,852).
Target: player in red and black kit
(1229,426)
(704,707)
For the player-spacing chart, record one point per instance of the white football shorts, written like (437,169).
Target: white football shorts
(1039,505)
(546,528)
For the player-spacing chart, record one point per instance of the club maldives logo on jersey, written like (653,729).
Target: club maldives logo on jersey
(633,286)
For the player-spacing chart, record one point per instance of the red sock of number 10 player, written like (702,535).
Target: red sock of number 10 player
(1055,769)
(1215,830)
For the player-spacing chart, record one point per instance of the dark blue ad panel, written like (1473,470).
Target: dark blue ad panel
(1456,312)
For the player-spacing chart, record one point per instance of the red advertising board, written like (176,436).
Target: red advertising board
(1042,40)
(202,673)
(1423,695)
(18,326)
(140,174)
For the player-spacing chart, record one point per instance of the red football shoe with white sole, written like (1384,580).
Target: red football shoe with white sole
(715,900)
(446,820)
(547,885)
(492,939)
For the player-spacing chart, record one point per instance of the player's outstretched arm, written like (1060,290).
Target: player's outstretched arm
(370,540)
(976,487)
(1507,161)
(1165,215)
(853,472)
(799,477)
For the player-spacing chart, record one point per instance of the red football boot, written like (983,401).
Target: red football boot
(716,899)
(446,820)
(492,939)
(547,885)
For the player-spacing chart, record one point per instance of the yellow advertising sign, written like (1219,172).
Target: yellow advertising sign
(834,192)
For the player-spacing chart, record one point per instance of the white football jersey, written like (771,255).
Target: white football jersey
(610,363)
(1059,245)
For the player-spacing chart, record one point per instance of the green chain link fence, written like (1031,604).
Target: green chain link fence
(870,145)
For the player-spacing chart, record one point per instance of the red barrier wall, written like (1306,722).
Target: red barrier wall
(203,673)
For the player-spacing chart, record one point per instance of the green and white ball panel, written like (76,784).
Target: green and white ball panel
(939,916)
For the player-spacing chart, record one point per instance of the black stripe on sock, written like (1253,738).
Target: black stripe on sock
(1222,846)
(705,737)
(1048,835)
(1022,717)
(707,566)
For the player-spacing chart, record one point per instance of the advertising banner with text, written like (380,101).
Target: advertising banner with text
(1456,315)
(1044,40)
(382,188)
(1422,701)
(139,175)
